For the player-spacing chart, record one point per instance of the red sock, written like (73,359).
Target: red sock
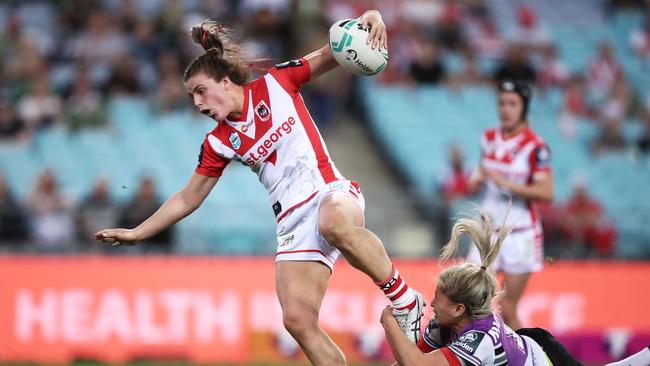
(397,291)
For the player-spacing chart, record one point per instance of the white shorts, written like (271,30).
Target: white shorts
(298,236)
(522,252)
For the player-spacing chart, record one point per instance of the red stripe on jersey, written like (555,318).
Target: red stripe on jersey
(261,101)
(302,251)
(423,346)
(450,356)
(324,163)
(272,158)
(210,164)
(296,206)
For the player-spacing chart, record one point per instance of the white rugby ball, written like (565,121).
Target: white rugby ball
(347,40)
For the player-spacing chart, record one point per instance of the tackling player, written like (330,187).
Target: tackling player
(265,125)
(465,330)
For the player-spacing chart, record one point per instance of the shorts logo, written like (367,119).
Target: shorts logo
(286,240)
(263,111)
(235,141)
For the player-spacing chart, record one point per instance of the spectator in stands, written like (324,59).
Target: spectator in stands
(21,61)
(13,225)
(552,215)
(516,66)
(171,95)
(124,79)
(12,127)
(427,67)
(640,41)
(575,101)
(94,213)
(643,144)
(169,23)
(449,30)
(484,37)
(52,228)
(609,139)
(40,107)
(585,227)
(469,74)
(145,43)
(604,69)
(85,106)
(453,186)
(618,101)
(268,33)
(101,42)
(143,205)
(455,183)
(574,106)
(529,31)
(553,73)
(612,114)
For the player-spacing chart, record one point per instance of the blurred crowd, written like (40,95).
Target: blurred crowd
(61,62)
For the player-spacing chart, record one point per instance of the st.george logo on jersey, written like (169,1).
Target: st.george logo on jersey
(263,111)
(235,141)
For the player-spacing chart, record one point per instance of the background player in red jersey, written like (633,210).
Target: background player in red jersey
(265,125)
(516,173)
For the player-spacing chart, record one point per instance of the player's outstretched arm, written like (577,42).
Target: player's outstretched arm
(322,60)
(178,206)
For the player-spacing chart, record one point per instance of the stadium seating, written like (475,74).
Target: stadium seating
(235,219)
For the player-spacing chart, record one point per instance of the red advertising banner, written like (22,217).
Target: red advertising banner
(55,309)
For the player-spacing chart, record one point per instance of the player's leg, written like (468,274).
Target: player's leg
(301,287)
(514,286)
(340,222)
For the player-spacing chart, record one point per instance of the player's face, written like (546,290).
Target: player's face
(510,109)
(209,96)
(447,312)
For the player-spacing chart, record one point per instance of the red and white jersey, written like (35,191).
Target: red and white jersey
(276,137)
(519,158)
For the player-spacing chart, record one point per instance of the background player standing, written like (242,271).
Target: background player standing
(515,169)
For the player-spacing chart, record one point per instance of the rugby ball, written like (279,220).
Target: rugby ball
(347,40)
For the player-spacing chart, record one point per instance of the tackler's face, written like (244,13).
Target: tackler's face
(209,96)
(511,109)
(447,312)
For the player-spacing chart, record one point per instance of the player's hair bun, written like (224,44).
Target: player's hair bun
(209,34)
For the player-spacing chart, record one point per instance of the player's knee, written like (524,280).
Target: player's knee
(300,323)
(335,232)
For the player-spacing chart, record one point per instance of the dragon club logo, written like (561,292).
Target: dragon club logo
(263,111)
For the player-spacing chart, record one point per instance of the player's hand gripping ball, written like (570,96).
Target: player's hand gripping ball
(347,40)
